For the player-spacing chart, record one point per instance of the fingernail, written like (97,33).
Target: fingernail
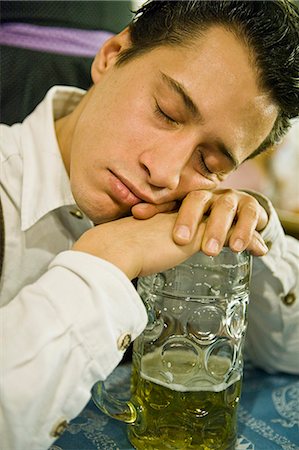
(183,232)
(212,246)
(238,245)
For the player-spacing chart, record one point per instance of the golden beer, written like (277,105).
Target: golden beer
(173,416)
(188,362)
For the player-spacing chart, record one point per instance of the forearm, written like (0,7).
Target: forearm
(61,335)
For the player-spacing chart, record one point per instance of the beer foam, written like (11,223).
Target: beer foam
(199,382)
(181,388)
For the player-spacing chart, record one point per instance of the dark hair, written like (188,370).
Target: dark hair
(270,30)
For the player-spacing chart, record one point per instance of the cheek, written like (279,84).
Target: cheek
(191,180)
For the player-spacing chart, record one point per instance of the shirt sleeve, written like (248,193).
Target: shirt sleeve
(62,334)
(272,339)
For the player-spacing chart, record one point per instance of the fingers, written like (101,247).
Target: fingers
(234,215)
(250,218)
(147,210)
(232,218)
(219,223)
(257,246)
(190,214)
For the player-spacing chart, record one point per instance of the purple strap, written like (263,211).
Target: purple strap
(68,41)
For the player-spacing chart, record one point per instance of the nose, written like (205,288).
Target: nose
(165,166)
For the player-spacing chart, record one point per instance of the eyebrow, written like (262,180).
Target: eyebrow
(225,151)
(177,87)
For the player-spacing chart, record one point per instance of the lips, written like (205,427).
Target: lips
(121,192)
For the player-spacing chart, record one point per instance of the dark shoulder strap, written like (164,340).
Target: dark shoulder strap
(2,237)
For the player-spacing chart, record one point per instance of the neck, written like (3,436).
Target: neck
(65,128)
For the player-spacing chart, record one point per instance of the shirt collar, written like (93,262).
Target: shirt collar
(46,184)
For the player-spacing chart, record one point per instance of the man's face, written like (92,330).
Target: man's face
(173,120)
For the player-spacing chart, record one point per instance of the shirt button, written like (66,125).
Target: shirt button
(76,213)
(124,341)
(59,428)
(289,299)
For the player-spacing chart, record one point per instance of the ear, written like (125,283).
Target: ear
(107,55)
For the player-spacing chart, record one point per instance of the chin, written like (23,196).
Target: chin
(100,208)
(101,215)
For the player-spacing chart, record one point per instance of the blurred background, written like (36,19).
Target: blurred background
(45,43)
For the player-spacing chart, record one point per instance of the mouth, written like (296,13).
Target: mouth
(122,191)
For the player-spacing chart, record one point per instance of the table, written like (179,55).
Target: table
(268,416)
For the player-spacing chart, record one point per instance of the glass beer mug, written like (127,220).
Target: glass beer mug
(187,364)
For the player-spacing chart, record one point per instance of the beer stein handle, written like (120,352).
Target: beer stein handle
(121,410)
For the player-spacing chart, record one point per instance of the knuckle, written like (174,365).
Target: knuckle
(229,201)
(252,210)
(202,196)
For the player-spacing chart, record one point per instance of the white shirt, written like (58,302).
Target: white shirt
(64,313)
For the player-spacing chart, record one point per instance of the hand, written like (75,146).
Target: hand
(139,247)
(231,217)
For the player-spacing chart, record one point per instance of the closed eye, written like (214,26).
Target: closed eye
(164,116)
(203,167)
(221,175)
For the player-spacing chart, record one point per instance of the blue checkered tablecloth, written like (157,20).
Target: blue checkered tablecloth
(268,416)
